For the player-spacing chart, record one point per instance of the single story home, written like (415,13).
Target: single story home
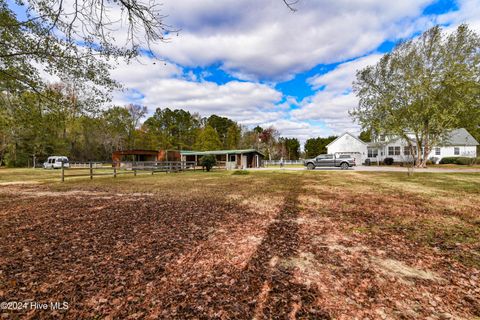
(141,155)
(230,159)
(458,143)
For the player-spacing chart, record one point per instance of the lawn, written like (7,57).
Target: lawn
(267,244)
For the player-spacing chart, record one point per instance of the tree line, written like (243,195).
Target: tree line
(61,122)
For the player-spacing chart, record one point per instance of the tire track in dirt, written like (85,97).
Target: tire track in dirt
(266,288)
(273,287)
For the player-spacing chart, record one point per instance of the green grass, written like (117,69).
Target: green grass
(27,175)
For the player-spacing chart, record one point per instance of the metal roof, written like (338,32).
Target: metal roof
(191,152)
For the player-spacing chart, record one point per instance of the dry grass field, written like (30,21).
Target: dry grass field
(286,245)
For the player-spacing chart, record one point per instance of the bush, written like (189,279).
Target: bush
(240,172)
(208,161)
(388,161)
(464,161)
(448,160)
(457,160)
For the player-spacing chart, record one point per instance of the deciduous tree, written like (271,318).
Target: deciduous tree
(423,89)
(208,140)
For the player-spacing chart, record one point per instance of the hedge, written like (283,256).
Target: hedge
(458,160)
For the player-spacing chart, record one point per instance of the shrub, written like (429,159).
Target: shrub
(464,161)
(208,161)
(457,160)
(240,172)
(448,160)
(388,161)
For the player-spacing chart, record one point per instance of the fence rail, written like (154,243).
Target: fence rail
(284,162)
(91,169)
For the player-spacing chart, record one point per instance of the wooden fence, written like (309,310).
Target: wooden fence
(91,169)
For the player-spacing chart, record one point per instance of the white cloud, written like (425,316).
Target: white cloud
(265,40)
(167,85)
(332,103)
(469,12)
(341,78)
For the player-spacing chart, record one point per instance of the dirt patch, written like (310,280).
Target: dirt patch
(399,269)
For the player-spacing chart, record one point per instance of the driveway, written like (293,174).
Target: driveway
(376,169)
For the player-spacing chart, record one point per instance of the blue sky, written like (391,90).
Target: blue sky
(261,64)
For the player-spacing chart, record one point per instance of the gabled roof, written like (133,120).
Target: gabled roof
(460,137)
(191,152)
(351,135)
(456,137)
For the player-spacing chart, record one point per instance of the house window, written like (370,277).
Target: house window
(232,158)
(406,151)
(456,151)
(394,151)
(382,137)
(437,151)
(372,153)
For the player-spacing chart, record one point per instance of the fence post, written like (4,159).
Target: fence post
(63,173)
(91,170)
(115,171)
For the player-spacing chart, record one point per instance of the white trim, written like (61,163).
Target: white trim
(342,136)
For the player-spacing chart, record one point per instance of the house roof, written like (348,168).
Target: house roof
(349,135)
(460,137)
(456,137)
(198,153)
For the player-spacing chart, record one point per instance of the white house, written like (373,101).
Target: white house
(459,143)
(347,143)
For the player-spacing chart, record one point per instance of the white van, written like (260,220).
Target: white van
(55,162)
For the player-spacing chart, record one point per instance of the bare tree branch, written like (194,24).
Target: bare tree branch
(290,4)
